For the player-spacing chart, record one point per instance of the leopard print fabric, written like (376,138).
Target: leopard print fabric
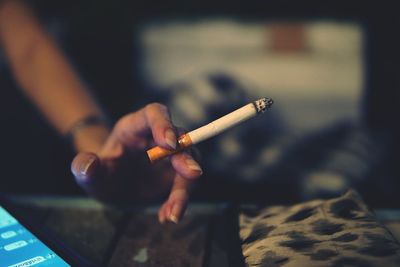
(335,232)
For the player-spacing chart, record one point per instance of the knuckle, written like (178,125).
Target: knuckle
(125,121)
(156,106)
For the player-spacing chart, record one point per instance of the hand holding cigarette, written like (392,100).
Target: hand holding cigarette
(121,174)
(213,128)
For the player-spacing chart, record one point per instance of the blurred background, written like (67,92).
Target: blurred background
(330,67)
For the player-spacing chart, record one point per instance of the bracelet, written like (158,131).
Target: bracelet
(83,123)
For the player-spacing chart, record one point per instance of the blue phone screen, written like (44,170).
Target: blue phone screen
(20,248)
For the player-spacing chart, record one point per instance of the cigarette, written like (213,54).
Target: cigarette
(213,128)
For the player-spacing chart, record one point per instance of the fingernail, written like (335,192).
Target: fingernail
(193,165)
(86,165)
(174,216)
(173,219)
(176,212)
(170,138)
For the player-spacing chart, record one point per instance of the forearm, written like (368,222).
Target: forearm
(45,75)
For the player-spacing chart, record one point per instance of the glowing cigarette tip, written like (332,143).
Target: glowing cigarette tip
(262,104)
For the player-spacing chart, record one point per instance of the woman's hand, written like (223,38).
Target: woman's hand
(121,173)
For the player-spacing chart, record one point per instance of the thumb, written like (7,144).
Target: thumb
(86,167)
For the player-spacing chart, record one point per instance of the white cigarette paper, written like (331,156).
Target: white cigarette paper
(242,114)
(213,128)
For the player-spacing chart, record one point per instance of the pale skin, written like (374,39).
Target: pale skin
(110,163)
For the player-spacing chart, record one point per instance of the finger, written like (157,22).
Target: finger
(133,129)
(193,151)
(162,216)
(186,166)
(167,210)
(86,168)
(159,121)
(178,199)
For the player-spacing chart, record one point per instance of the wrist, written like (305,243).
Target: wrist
(89,134)
(91,138)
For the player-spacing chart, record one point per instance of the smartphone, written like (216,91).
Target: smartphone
(22,244)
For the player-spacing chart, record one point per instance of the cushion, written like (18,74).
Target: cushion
(335,232)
